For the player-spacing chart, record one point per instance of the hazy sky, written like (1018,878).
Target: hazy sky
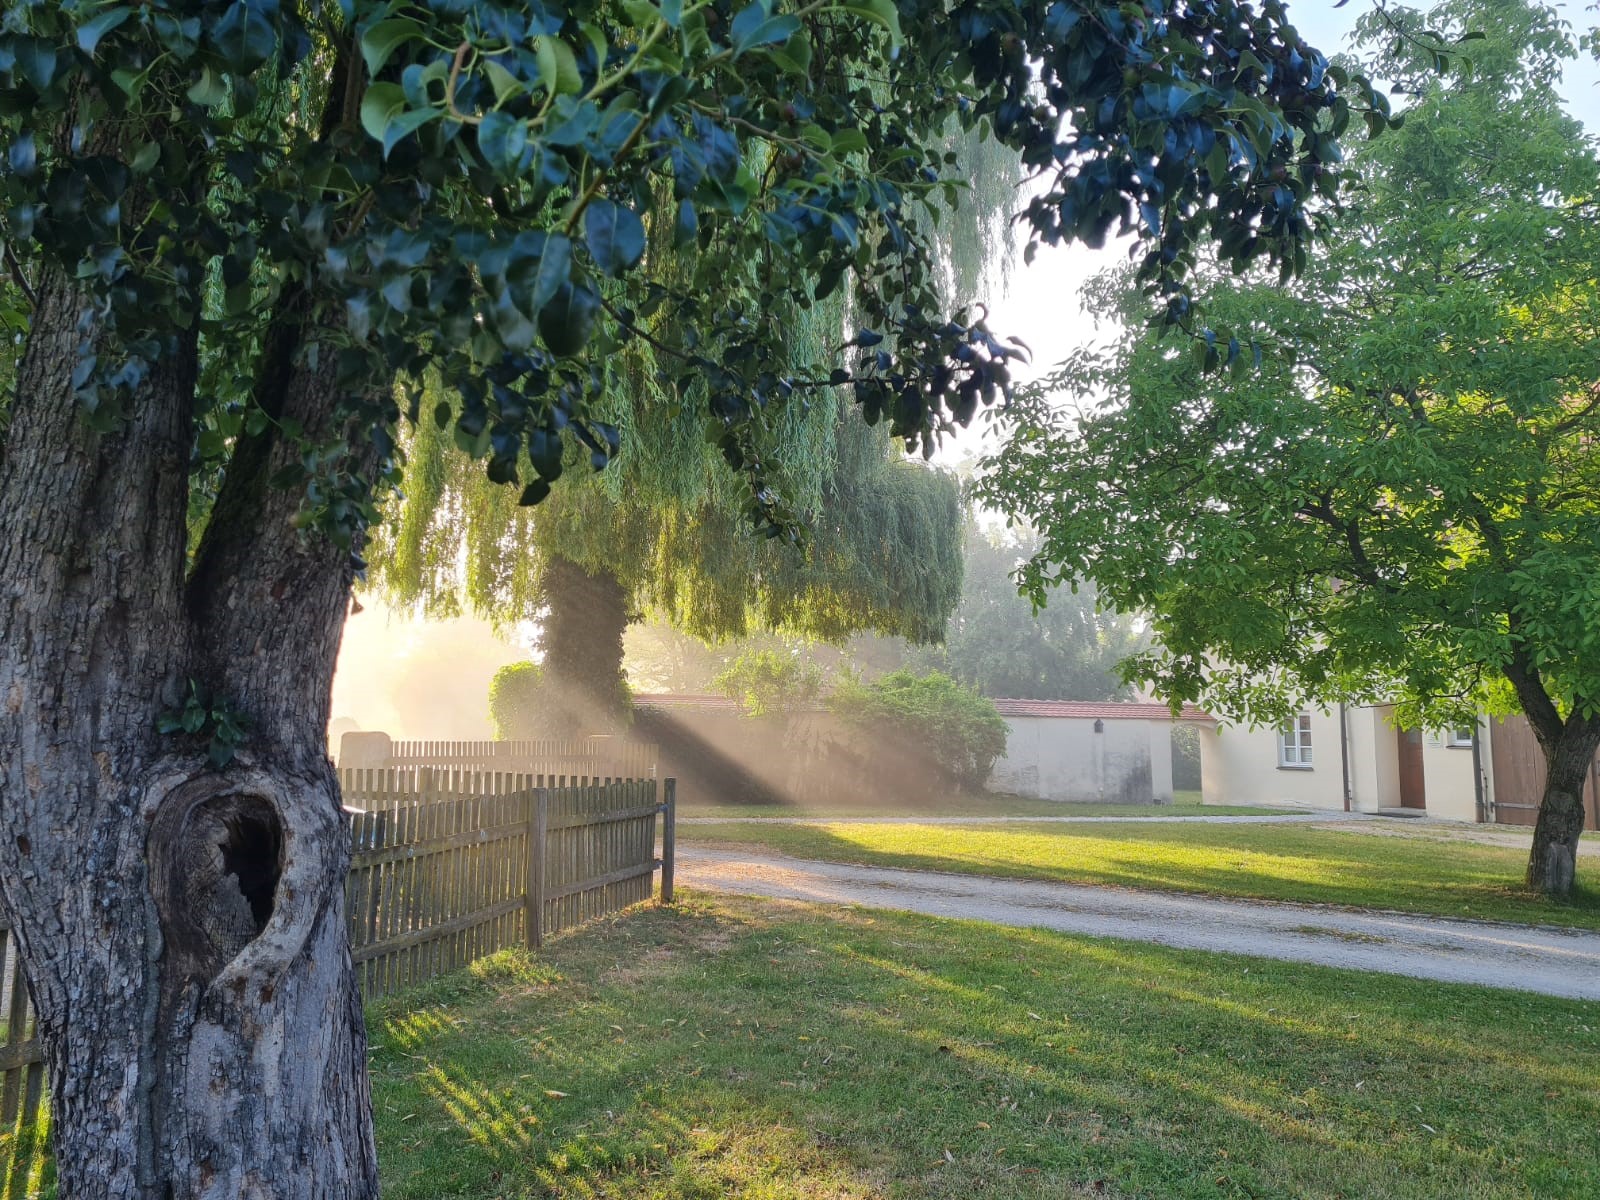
(1041,304)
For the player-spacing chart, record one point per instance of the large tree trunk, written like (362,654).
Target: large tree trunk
(588,613)
(182,928)
(1569,746)
(1568,759)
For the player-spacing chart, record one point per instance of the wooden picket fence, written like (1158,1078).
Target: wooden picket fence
(449,866)
(446,866)
(592,758)
(22,1144)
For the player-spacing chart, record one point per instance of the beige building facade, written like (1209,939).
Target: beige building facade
(1351,758)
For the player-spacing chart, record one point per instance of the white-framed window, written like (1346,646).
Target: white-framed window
(1458,736)
(1294,744)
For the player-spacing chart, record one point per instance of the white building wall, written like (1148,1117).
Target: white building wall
(1017,770)
(1063,758)
(1374,760)
(1447,779)
(1240,766)
(1160,761)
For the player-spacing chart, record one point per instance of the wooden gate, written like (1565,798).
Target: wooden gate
(1518,766)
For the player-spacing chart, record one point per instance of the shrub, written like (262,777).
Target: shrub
(953,729)
(770,683)
(516,701)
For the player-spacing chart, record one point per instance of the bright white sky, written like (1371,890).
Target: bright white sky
(1042,306)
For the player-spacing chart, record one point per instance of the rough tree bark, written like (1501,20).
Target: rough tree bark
(1568,758)
(589,611)
(1569,746)
(182,928)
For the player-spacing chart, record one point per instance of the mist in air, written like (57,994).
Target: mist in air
(415,678)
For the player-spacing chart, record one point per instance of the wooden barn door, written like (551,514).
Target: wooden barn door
(1518,766)
(1412,792)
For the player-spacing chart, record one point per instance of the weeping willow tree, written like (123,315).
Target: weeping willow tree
(666,528)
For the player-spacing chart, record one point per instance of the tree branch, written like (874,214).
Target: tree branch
(19,277)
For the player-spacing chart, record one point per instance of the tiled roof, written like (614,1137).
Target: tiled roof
(1080,709)
(702,703)
(1106,710)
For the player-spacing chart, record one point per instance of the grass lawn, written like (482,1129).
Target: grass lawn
(767,1051)
(1274,862)
(985,805)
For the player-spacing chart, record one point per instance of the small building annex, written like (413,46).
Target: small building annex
(1087,752)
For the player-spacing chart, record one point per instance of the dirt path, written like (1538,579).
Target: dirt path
(1553,961)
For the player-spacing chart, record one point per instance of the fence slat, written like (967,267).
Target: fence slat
(669,837)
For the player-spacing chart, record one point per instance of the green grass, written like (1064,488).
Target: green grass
(761,1051)
(1274,862)
(983,805)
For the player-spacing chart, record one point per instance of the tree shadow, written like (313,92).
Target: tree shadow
(831,1051)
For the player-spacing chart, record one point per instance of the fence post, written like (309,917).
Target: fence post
(669,837)
(538,819)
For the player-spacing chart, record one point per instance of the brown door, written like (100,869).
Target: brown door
(1412,794)
(1518,766)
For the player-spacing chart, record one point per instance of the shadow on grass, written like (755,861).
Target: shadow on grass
(756,1049)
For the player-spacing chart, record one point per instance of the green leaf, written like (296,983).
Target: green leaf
(145,158)
(754,27)
(407,122)
(90,32)
(505,84)
(209,90)
(36,59)
(555,268)
(558,66)
(614,235)
(794,56)
(502,140)
(567,321)
(642,13)
(244,36)
(849,141)
(383,103)
(685,226)
(880,12)
(380,42)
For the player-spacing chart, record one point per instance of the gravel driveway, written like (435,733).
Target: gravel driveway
(1556,962)
(1318,818)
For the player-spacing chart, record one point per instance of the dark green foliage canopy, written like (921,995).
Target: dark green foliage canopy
(490,193)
